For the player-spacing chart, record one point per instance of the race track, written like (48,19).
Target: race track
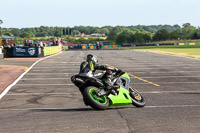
(45,100)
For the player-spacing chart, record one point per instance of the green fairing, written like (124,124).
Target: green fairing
(120,99)
(126,76)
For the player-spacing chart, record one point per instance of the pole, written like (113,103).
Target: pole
(1,21)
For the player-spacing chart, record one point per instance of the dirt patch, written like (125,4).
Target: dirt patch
(22,59)
(8,74)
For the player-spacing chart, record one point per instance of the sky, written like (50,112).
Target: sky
(70,13)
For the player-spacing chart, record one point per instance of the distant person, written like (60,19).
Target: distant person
(100,46)
(41,45)
(97,45)
(6,45)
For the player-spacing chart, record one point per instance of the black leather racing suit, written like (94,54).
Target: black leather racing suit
(87,67)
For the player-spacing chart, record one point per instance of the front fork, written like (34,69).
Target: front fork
(135,93)
(131,89)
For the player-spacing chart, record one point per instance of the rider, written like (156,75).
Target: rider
(90,66)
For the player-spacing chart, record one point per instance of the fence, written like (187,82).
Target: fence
(51,50)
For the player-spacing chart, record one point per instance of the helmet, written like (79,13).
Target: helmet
(91,57)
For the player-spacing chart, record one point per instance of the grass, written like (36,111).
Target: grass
(189,51)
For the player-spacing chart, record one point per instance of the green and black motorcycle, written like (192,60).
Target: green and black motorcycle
(95,95)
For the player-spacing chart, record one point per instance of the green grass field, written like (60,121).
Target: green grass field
(189,51)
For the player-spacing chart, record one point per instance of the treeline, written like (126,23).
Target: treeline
(44,31)
(186,32)
(117,34)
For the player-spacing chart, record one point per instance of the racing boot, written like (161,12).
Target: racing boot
(115,89)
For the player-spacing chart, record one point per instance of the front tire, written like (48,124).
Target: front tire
(96,102)
(137,99)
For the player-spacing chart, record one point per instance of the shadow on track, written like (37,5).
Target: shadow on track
(76,109)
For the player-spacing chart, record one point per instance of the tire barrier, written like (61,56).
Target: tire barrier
(188,44)
(103,47)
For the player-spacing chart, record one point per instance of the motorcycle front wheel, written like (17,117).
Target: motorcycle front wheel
(95,101)
(137,99)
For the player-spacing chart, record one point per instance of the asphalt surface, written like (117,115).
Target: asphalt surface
(45,100)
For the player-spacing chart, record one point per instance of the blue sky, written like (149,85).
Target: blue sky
(35,13)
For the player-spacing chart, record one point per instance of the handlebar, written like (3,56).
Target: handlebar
(119,73)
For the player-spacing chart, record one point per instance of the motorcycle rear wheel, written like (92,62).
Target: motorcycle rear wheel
(137,99)
(96,102)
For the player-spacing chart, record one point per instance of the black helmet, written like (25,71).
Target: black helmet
(91,57)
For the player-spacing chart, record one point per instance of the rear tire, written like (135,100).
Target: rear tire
(137,99)
(96,102)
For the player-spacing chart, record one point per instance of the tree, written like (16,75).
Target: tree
(119,29)
(121,38)
(131,38)
(174,35)
(161,35)
(1,21)
(112,36)
(8,34)
(75,32)
(186,25)
(147,37)
(104,31)
(139,37)
(25,34)
(15,31)
(187,32)
(196,34)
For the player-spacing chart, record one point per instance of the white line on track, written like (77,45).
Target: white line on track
(172,83)
(41,84)
(44,78)
(166,54)
(25,94)
(131,83)
(161,106)
(161,92)
(166,72)
(45,70)
(169,54)
(21,76)
(58,67)
(31,73)
(172,106)
(171,77)
(47,73)
(64,63)
(66,93)
(178,82)
(176,72)
(180,67)
(163,83)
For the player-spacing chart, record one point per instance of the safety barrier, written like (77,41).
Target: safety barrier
(51,50)
(188,44)
(103,47)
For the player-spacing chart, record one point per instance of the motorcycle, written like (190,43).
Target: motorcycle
(95,95)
